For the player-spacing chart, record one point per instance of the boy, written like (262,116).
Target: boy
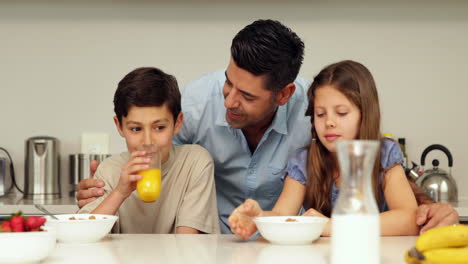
(147,108)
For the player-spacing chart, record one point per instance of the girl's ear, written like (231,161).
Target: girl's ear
(118,126)
(178,123)
(284,94)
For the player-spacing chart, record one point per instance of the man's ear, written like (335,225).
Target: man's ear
(178,123)
(117,125)
(284,94)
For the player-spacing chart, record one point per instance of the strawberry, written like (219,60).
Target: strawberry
(34,222)
(17,223)
(6,227)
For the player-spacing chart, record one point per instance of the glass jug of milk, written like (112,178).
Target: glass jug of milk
(355,217)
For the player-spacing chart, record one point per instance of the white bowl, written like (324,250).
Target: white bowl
(304,230)
(21,247)
(83,229)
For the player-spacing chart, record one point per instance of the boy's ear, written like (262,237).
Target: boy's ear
(117,124)
(284,94)
(178,123)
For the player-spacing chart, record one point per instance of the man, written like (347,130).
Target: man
(251,118)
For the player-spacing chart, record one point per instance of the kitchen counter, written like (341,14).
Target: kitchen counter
(14,203)
(206,249)
(67,205)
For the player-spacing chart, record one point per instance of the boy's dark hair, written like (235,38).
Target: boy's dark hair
(147,86)
(268,47)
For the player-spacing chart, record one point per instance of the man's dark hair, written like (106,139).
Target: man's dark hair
(147,87)
(268,47)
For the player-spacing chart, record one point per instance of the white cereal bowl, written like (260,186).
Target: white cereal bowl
(281,230)
(83,229)
(26,247)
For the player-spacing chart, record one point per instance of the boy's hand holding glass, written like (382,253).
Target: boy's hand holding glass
(143,162)
(130,173)
(241,219)
(149,186)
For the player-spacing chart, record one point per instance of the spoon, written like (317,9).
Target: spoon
(41,208)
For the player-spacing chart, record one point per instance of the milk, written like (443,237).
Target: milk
(355,239)
(355,217)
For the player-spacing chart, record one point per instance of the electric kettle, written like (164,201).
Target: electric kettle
(439,185)
(42,168)
(6,172)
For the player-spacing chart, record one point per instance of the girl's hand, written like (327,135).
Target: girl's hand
(129,174)
(240,220)
(313,212)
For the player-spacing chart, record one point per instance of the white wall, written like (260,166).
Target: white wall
(60,62)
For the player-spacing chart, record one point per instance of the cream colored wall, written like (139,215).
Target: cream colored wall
(60,62)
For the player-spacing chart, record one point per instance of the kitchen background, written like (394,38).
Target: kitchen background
(60,62)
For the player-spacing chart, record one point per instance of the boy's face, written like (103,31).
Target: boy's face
(149,125)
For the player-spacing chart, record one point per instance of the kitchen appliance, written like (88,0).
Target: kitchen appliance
(80,167)
(439,185)
(42,168)
(6,172)
(4,176)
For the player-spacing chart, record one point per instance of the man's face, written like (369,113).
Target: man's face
(247,102)
(149,125)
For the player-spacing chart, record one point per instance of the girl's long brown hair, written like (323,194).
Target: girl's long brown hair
(356,82)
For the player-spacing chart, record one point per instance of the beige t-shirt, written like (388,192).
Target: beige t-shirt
(187,197)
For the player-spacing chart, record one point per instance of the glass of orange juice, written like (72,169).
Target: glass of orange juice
(149,187)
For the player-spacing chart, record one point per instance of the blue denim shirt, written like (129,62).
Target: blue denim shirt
(390,155)
(239,173)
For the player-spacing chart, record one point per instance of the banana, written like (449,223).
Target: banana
(413,256)
(443,245)
(443,237)
(438,256)
(446,256)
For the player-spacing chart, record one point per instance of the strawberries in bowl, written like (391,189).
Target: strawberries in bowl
(19,223)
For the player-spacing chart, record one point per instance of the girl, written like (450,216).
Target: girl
(343,104)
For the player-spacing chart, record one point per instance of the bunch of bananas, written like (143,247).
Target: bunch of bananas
(443,245)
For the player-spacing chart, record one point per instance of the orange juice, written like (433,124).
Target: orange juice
(149,187)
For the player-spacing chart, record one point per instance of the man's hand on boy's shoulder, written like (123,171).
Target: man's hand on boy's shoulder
(89,189)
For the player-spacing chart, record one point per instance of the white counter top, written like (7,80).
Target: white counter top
(206,249)
(12,203)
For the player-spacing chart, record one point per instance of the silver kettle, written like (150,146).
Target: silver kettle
(439,185)
(42,168)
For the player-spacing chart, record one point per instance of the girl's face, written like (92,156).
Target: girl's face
(335,117)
